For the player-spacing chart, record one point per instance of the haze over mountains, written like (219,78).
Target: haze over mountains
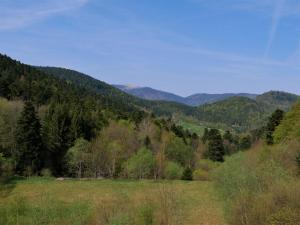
(192,100)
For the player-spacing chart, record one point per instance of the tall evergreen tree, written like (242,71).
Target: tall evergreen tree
(28,140)
(58,136)
(216,149)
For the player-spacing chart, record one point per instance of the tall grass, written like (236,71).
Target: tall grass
(20,211)
(159,207)
(46,201)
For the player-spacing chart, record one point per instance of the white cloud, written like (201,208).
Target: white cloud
(20,13)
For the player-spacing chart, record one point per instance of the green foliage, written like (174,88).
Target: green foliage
(28,140)
(239,174)
(277,100)
(49,211)
(178,151)
(207,164)
(116,97)
(216,149)
(187,174)
(245,142)
(242,114)
(173,171)
(273,122)
(78,157)
(255,187)
(46,173)
(141,165)
(204,168)
(9,114)
(289,128)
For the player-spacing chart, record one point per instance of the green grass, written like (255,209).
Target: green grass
(192,127)
(114,202)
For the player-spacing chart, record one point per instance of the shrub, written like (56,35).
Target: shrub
(46,173)
(187,174)
(173,171)
(140,165)
(201,174)
(207,165)
(278,206)
(255,188)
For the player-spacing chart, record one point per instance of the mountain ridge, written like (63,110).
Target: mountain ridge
(197,99)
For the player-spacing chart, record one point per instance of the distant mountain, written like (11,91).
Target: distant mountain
(200,99)
(151,94)
(193,100)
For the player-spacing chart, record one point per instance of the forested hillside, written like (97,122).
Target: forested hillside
(242,114)
(69,124)
(44,116)
(160,108)
(236,113)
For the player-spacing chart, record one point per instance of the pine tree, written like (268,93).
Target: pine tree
(28,140)
(57,136)
(187,174)
(216,149)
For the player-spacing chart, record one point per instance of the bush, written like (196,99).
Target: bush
(207,165)
(140,165)
(279,205)
(201,174)
(46,173)
(173,171)
(204,169)
(256,188)
(187,174)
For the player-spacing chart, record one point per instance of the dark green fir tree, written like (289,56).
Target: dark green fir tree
(28,140)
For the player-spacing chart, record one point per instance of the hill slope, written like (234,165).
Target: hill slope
(200,99)
(238,113)
(160,108)
(241,113)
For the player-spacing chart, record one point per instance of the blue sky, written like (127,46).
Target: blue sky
(181,46)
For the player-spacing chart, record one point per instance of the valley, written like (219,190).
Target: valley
(76,150)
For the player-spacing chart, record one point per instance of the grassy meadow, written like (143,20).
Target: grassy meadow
(114,202)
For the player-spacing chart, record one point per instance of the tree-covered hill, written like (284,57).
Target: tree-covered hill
(160,108)
(241,113)
(49,122)
(238,112)
(20,81)
(277,99)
